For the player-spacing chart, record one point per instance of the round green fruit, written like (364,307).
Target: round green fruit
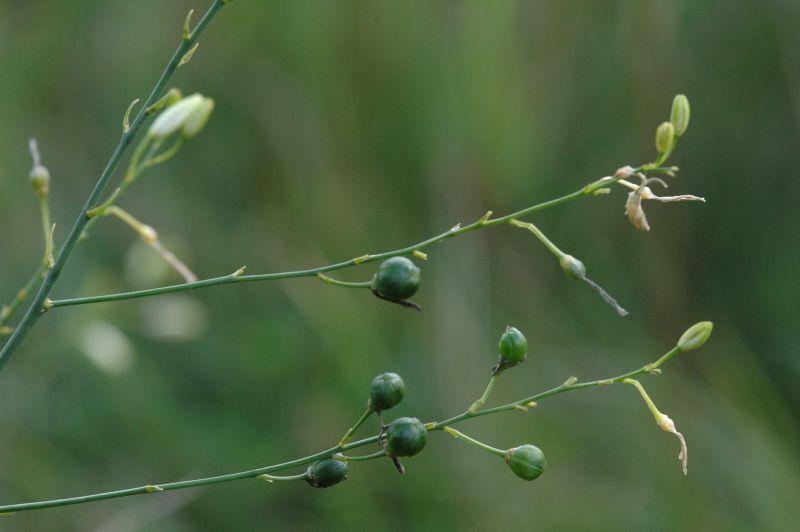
(386,392)
(405,436)
(397,279)
(526,461)
(326,473)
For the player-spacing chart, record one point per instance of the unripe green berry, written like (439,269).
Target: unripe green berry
(526,461)
(665,136)
(397,279)
(326,473)
(40,179)
(695,336)
(680,114)
(405,436)
(386,392)
(513,346)
(573,267)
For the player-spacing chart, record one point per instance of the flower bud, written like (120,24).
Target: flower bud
(176,117)
(387,391)
(40,179)
(326,473)
(695,336)
(405,436)
(513,347)
(197,120)
(397,279)
(665,136)
(173,96)
(573,267)
(526,461)
(680,114)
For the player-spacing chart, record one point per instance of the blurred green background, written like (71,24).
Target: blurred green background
(349,127)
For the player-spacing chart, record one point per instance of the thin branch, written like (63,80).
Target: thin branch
(229,279)
(568,386)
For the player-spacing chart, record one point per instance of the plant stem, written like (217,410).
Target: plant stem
(365,457)
(8,311)
(482,400)
(35,309)
(354,428)
(461,436)
(252,473)
(346,284)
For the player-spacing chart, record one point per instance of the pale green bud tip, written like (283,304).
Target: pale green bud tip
(680,114)
(40,179)
(665,136)
(198,119)
(191,112)
(174,95)
(695,336)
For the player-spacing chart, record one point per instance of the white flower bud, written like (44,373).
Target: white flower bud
(198,118)
(176,116)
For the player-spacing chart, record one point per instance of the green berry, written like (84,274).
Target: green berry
(513,347)
(387,391)
(526,461)
(326,473)
(405,436)
(397,279)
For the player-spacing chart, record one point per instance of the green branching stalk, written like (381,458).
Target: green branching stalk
(78,227)
(458,230)
(568,386)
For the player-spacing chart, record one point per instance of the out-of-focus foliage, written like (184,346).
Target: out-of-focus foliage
(343,128)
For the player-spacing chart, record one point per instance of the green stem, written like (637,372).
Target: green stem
(35,309)
(335,282)
(364,458)
(354,428)
(22,294)
(541,236)
(568,386)
(44,212)
(272,478)
(482,400)
(461,436)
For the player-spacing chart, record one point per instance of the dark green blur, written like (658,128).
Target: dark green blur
(348,127)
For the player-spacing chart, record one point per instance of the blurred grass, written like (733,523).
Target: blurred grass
(350,127)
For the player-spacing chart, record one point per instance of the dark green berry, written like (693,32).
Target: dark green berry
(405,436)
(326,473)
(387,391)
(397,279)
(513,346)
(526,461)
